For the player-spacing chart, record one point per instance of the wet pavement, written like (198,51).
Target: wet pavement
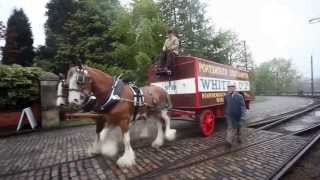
(274,105)
(62,154)
(308,120)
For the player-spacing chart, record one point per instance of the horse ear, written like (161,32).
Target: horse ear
(61,76)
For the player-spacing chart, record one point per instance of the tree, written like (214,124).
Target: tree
(87,37)
(186,17)
(58,12)
(2,33)
(198,37)
(275,77)
(2,30)
(139,34)
(77,31)
(18,48)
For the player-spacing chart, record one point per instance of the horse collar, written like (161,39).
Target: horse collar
(114,96)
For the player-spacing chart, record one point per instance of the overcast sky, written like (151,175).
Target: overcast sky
(272,28)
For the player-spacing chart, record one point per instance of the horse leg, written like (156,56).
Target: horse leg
(109,144)
(170,134)
(128,157)
(144,132)
(159,139)
(96,146)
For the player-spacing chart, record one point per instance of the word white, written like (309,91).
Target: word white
(214,84)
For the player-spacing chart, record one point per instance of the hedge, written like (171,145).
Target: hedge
(19,86)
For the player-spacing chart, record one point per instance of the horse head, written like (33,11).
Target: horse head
(79,86)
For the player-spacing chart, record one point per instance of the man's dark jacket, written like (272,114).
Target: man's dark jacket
(234,106)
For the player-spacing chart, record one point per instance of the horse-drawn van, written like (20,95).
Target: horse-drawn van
(197,89)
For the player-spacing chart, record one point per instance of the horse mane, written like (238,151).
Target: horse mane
(97,71)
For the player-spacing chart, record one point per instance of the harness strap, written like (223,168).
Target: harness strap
(114,96)
(138,99)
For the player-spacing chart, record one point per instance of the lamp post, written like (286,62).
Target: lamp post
(312,21)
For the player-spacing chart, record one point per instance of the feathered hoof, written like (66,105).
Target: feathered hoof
(127,160)
(109,148)
(93,151)
(157,144)
(170,135)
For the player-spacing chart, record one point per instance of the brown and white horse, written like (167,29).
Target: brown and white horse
(82,81)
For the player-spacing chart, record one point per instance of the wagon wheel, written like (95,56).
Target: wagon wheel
(207,122)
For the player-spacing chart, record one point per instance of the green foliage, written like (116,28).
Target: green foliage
(19,42)
(125,41)
(58,12)
(275,76)
(139,35)
(197,36)
(2,30)
(82,34)
(19,86)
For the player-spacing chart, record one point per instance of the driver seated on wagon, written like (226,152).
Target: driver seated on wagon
(169,53)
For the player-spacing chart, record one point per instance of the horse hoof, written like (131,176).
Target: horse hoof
(126,161)
(93,151)
(170,135)
(109,148)
(157,144)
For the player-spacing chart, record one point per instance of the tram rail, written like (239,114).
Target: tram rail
(279,173)
(312,133)
(272,121)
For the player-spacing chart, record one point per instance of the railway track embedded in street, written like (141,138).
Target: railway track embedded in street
(311,134)
(275,120)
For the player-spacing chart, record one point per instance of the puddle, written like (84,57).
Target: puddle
(310,119)
(317,113)
(295,127)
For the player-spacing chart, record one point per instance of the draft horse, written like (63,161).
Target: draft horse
(84,82)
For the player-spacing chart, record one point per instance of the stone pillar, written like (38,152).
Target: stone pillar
(49,110)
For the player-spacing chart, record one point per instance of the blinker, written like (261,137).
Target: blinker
(80,79)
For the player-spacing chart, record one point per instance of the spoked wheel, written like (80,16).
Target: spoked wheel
(207,122)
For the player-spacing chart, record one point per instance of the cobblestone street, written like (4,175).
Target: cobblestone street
(62,154)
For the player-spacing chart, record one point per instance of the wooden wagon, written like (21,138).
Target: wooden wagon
(197,89)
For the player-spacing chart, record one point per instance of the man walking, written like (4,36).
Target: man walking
(234,110)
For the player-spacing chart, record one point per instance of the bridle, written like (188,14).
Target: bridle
(64,93)
(82,79)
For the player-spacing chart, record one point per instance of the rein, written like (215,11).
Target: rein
(76,90)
